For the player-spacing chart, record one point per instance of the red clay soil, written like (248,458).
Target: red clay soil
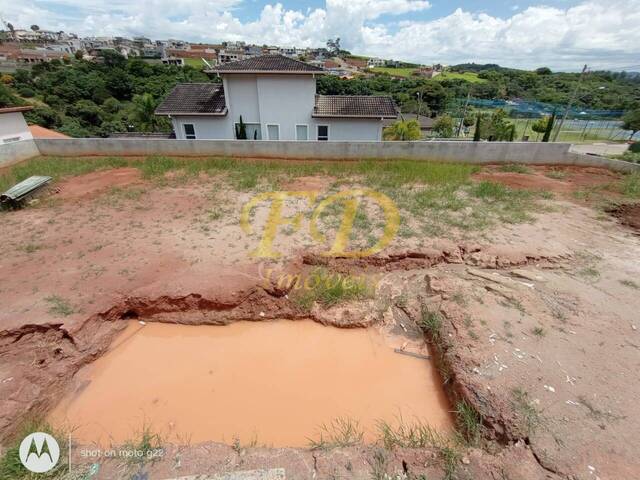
(91,184)
(547,308)
(575,178)
(628,214)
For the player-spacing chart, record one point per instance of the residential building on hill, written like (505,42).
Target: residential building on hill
(276,98)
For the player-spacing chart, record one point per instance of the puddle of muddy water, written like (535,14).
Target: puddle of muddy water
(273,382)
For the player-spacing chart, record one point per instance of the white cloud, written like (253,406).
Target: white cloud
(603,32)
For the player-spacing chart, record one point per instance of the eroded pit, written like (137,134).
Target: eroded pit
(271,383)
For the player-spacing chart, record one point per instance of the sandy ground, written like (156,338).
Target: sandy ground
(540,318)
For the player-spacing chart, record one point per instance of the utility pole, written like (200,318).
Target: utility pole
(570,104)
(419,95)
(464,112)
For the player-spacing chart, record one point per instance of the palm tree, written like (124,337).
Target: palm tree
(403,130)
(143,113)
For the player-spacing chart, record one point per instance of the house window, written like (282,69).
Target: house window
(273,132)
(323,132)
(189,131)
(302,132)
(254,131)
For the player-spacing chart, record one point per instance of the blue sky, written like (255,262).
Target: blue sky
(561,34)
(498,8)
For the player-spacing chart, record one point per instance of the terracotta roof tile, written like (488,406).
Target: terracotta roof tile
(354,106)
(267,63)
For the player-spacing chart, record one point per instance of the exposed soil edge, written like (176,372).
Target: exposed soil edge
(58,353)
(460,254)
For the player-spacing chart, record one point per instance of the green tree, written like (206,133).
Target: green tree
(111,105)
(241,130)
(477,134)
(540,126)
(403,130)
(468,120)
(143,112)
(44,116)
(7,98)
(443,126)
(73,128)
(119,83)
(631,121)
(549,129)
(111,59)
(90,114)
(111,126)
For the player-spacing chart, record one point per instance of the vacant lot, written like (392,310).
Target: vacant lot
(524,282)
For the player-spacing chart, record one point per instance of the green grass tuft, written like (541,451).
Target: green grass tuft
(515,168)
(330,288)
(631,185)
(469,423)
(528,414)
(59,307)
(417,434)
(340,432)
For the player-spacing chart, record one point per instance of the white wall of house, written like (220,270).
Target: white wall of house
(276,103)
(241,94)
(13,127)
(286,101)
(207,127)
(342,129)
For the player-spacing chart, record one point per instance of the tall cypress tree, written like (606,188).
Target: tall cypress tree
(476,134)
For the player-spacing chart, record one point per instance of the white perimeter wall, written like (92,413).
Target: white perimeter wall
(481,153)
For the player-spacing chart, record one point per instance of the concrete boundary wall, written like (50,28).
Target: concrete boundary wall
(482,153)
(15,152)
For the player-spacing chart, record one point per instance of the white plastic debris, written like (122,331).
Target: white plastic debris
(142,322)
(550,389)
(262,314)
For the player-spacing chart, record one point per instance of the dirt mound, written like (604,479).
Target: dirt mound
(551,179)
(628,214)
(85,186)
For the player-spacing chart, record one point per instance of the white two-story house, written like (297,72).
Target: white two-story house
(276,97)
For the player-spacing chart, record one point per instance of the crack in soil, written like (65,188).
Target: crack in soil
(461,254)
(541,462)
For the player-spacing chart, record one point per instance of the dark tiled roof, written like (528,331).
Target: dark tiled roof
(267,63)
(354,106)
(194,98)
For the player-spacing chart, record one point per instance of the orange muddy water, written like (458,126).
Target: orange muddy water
(272,383)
